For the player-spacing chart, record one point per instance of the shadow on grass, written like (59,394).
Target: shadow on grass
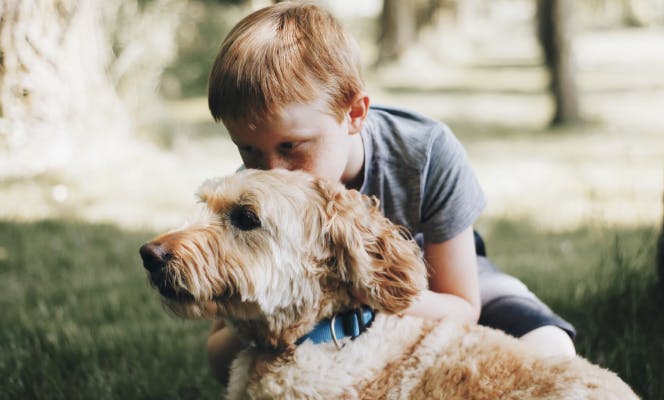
(603,280)
(480,132)
(79,320)
(459,91)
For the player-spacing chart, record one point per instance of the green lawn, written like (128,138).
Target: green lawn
(80,321)
(602,280)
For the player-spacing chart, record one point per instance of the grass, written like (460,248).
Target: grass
(604,281)
(79,320)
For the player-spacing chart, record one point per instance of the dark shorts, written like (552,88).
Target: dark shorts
(508,305)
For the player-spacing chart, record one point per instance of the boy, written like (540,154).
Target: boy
(287,86)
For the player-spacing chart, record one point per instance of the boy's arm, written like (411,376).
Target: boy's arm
(453,282)
(222,347)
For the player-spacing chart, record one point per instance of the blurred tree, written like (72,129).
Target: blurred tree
(426,11)
(640,13)
(398,29)
(554,33)
(660,250)
(72,72)
(402,21)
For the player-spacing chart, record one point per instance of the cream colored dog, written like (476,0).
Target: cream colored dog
(275,252)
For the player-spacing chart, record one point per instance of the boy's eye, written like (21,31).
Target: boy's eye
(287,145)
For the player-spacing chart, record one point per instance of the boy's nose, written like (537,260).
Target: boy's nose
(275,161)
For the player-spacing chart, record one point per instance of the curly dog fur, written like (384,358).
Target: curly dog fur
(274,252)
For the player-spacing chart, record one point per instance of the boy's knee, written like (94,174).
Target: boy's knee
(550,340)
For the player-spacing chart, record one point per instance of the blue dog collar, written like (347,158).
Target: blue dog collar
(346,324)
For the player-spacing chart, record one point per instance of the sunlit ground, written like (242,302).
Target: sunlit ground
(609,170)
(491,91)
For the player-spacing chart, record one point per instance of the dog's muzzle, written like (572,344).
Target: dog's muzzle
(155,259)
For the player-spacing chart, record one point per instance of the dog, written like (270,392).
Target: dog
(284,257)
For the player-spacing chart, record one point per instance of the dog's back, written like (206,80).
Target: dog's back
(408,358)
(482,363)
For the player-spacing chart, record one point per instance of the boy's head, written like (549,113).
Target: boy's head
(284,54)
(286,83)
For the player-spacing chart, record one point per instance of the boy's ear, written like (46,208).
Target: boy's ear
(358,112)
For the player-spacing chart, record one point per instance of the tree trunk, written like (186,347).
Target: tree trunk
(660,250)
(554,33)
(51,62)
(630,16)
(71,71)
(398,29)
(425,12)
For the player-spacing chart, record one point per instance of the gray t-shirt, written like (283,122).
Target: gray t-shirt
(420,173)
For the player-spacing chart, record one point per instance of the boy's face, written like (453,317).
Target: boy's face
(302,137)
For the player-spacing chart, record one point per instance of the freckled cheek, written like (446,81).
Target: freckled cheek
(323,166)
(306,162)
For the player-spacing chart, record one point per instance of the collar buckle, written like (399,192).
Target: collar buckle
(334,334)
(350,323)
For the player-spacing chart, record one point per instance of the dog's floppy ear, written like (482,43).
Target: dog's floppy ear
(376,257)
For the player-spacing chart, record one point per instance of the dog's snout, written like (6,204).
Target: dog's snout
(154,256)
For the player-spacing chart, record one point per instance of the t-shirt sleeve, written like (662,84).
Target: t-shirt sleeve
(452,198)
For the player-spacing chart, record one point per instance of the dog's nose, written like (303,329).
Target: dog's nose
(154,256)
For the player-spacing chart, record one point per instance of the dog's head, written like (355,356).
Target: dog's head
(275,251)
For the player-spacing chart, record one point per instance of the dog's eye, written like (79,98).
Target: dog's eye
(244,218)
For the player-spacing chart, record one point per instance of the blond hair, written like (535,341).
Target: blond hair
(282,54)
